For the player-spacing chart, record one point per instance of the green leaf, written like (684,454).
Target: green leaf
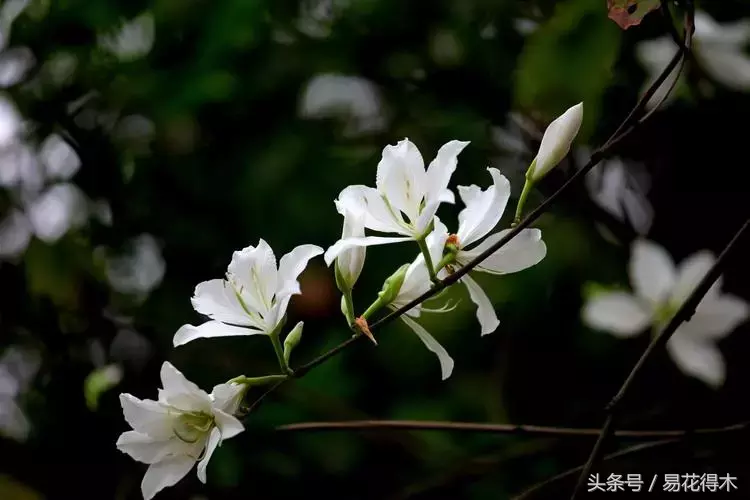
(567,60)
(98,382)
(627,13)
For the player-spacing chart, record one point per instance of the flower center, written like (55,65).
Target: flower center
(192,426)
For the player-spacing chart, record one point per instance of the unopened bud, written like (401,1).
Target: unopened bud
(292,339)
(556,142)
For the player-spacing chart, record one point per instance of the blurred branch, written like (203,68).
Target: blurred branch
(564,475)
(426,425)
(630,123)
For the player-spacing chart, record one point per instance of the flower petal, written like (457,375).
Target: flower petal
(227,397)
(440,170)
(213,441)
(485,311)
(347,243)
(401,177)
(227,424)
(209,330)
(652,271)
(525,250)
(254,268)
(180,392)
(689,273)
(717,317)
(291,266)
(446,362)
(483,208)
(697,358)
(146,416)
(557,140)
(351,262)
(144,448)
(218,300)
(617,313)
(376,213)
(163,474)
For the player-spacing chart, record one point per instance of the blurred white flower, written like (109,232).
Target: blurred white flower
(15,235)
(9,11)
(718,48)
(59,158)
(354,99)
(60,208)
(10,122)
(660,289)
(182,428)
(406,198)
(483,211)
(254,296)
(316,17)
(131,40)
(15,63)
(525,26)
(139,269)
(17,369)
(620,189)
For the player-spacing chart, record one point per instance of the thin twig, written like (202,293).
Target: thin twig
(563,475)
(427,425)
(622,131)
(684,313)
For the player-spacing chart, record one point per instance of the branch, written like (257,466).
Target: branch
(631,121)
(426,425)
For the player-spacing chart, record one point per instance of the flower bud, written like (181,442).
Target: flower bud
(392,286)
(350,262)
(556,142)
(291,341)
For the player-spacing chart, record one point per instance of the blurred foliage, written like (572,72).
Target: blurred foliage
(200,144)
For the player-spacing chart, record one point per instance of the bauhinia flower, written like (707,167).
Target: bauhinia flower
(349,263)
(556,142)
(660,288)
(405,199)
(416,282)
(482,213)
(184,426)
(718,49)
(254,296)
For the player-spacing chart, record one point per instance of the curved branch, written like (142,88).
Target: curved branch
(427,425)
(630,123)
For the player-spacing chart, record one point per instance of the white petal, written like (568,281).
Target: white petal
(227,397)
(483,209)
(525,250)
(276,314)
(229,425)
(345,244)
(351,262)
(426,216)
(446,362)
(447,196)
(376,213)
(401,177)
(652,271)
(717,317)
(218,300)
(709,32)
(15,234)
(436,241)
(163,474)
(59,158)
(689,273)
(60,208)
(485,311)
(144,448)
(729,66)
(15,63)
(441,169)
(255,271)
(209,330)
(696,358)
(178,388)
(146,416)
(213,441)
(291,266)
(557,140)
(617,313)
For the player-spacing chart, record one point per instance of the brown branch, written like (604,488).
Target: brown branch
(623,130)
(427,425)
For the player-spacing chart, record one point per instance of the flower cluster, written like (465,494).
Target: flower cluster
(185,424)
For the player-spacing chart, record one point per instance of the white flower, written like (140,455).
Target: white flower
(660,289)
(132,39)
(406,198)
(718,49)
(254,296)
(184,426)
(556,142)
(349,263)
(482,213)
(416,282)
